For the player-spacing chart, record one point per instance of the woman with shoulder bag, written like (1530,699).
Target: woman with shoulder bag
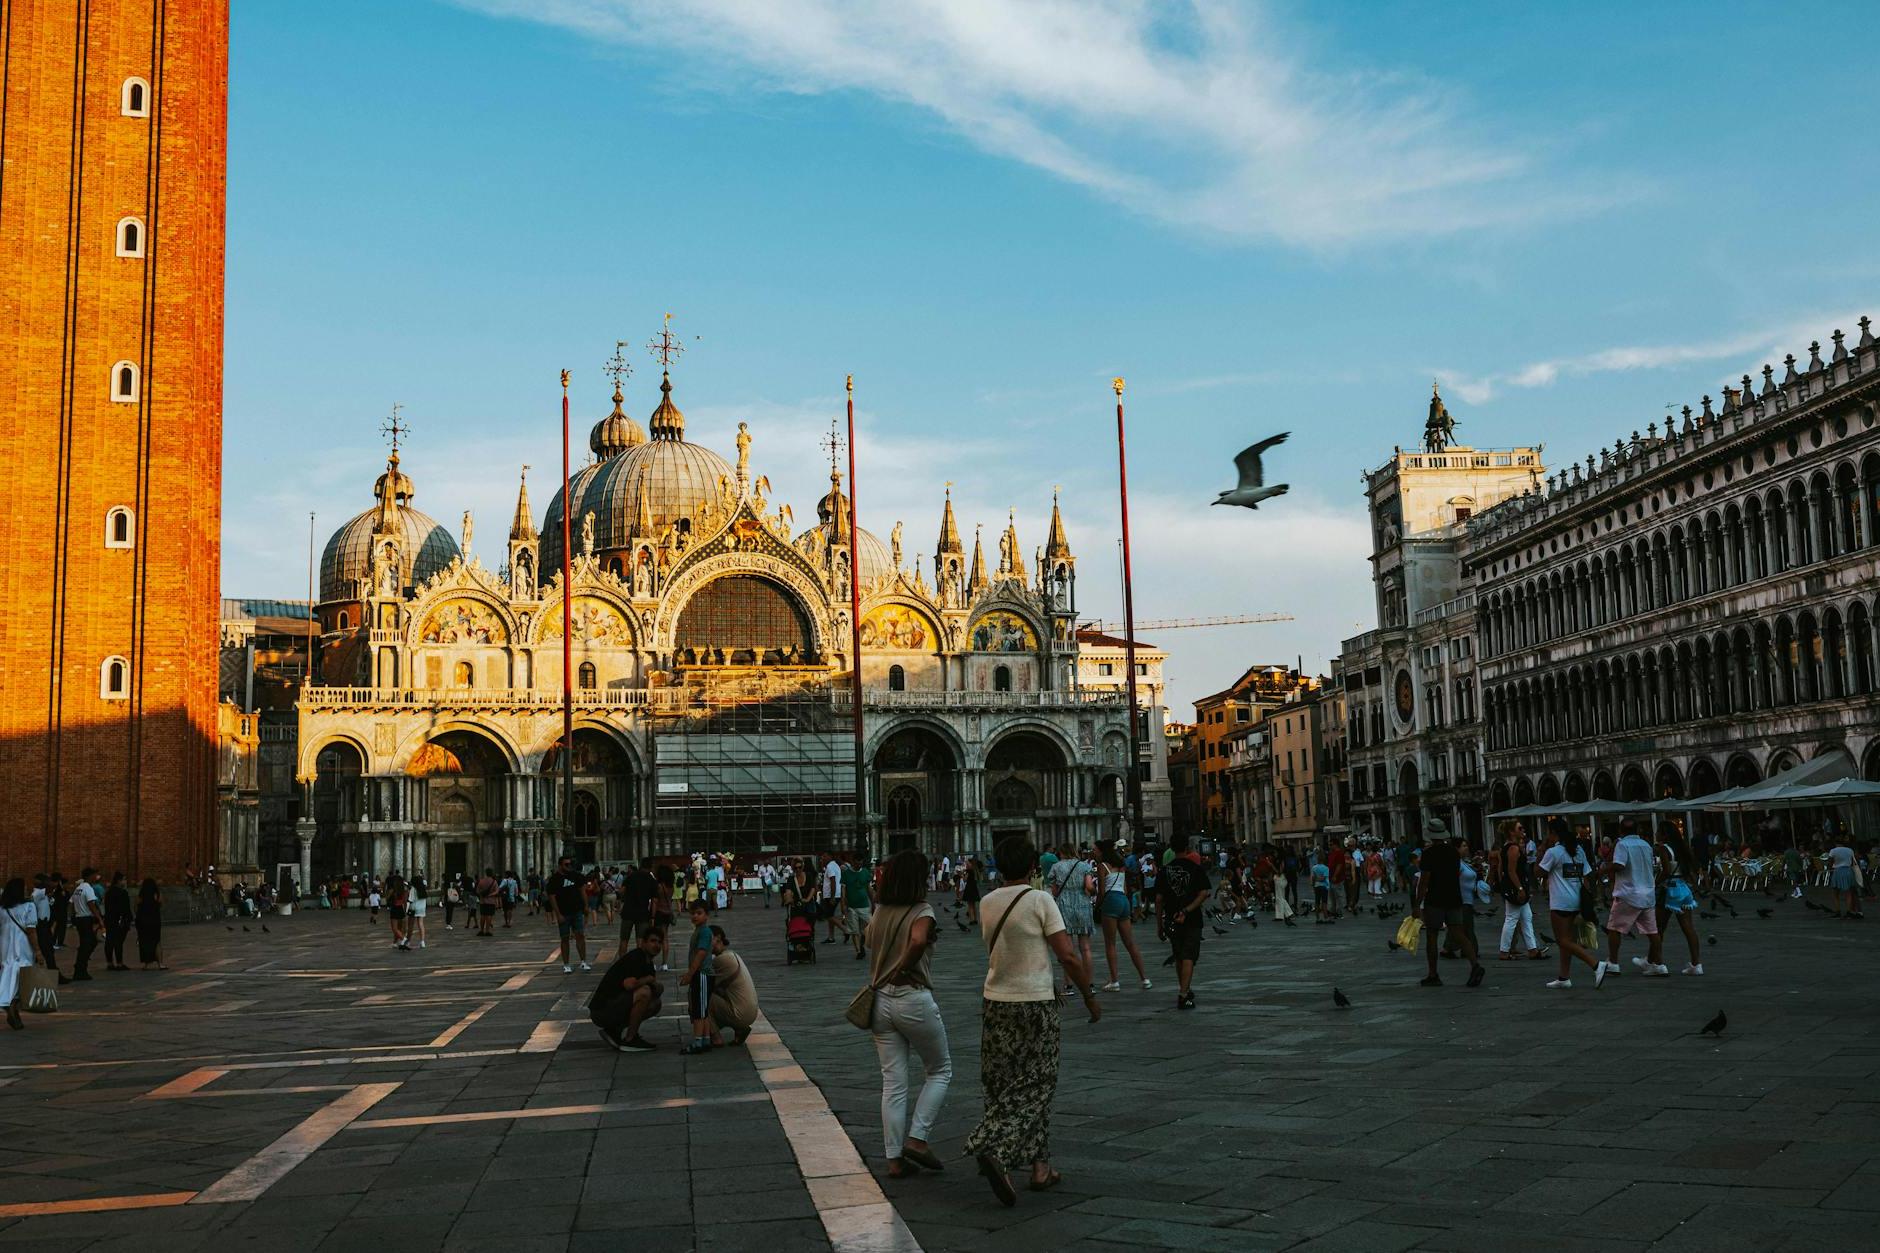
(1570,891)
(18,952)
(1512,880)
(1018,1039)
(900,938)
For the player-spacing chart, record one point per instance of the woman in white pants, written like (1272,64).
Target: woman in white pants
(899,940)
(1511,878)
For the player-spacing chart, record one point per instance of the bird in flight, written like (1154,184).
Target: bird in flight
(1340,999)
(1252,488)
(1716,1025)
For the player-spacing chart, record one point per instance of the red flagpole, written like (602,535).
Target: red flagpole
(855,633)
(1129,625)
(567,629)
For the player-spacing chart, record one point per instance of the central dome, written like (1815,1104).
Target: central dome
(833,510)
(678,482)
(427,548)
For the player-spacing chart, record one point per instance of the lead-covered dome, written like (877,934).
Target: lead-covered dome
(833,512)
(615,433)
(676,482)
(424,547)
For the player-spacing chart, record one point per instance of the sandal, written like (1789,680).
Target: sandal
(1507,957)
(994,1172)
(1539,955)
(1045,1184)
(901,1168)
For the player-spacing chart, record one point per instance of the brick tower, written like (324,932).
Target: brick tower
(113,142)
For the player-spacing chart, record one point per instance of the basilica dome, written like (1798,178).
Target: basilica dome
(678,483)
(833,514)
(427,546)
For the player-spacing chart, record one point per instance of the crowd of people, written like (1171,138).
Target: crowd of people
(88,912)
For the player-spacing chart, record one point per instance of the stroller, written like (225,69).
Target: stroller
(799,935)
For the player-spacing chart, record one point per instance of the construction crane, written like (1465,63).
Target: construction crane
(1172,624)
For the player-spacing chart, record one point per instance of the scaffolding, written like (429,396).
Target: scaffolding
(754,777)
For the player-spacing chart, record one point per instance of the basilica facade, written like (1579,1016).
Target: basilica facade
(711,670)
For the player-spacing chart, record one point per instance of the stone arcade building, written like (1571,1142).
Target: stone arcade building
(1692,608)
(712,663)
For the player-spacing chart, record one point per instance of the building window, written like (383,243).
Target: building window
(345,620)
(124,382)
(114,679)
(587,676)
(1002,679)
(134,98)
(1105,668)
(130,237)
(897,679)
(119,530)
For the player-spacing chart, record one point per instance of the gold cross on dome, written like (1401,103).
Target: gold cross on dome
(833,442)
(394,429)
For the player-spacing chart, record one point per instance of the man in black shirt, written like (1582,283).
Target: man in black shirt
(1183,887)
(1439,898)
(637,891)
(628,994)
(567,905)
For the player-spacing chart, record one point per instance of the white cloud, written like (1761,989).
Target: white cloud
(1198,114)
(1745,352)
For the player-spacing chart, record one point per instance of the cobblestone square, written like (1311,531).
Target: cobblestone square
(307,1087)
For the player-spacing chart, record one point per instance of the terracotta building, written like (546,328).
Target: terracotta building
(114,130)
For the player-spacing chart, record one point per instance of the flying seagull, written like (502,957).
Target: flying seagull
(1252,489)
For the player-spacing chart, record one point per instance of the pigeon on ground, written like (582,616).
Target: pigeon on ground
(1716,898)
(1811,907)
(1394,946)
(1289,922)
(962,926)
(1220,930)
(231,928)
(244,926)
(1765,913)
(264,929)
(1340,999)
(1706,914)
(1712,939)
(1716,1025)
(1252,489)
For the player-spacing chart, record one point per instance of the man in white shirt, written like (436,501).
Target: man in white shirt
(42,927)
(1841,879)
(1633,873)
(831,896)
(88,917)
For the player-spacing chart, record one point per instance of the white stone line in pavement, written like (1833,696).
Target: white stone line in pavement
(546,1037)
(266,1168)
(452,1032)
(853,1210)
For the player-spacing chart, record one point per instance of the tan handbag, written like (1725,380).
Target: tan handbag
(861,1010)
(39,985)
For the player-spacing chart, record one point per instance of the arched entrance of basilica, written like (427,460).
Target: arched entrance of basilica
(916,785)
(605,802)
(1030,789)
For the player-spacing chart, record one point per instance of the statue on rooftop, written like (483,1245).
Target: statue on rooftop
(1439,432)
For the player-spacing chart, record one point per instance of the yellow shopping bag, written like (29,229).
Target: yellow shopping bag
(1586,933)
(1410,932)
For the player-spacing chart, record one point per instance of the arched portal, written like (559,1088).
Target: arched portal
(337,800)
(1029,788)
(917,788)
(1574,790)
(605,797)
(459,796)
(1633,785)
(1548,792)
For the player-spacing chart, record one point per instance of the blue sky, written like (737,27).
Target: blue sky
(1266,217)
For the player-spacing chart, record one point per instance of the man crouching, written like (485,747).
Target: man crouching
(628,994)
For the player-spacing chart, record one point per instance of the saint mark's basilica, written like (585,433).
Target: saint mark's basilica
(711,645)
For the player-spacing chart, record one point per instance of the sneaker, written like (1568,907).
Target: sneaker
(1656,972)
(1147,985)
(1560,983)
(1599,974)
(1640,963)
(1112,986)
(1612,969)
(613,1041)
(1476,976)
(566,969)
(635,1044)
(697,1046)
(422,944)
(585,966)
(1186,1002)
(1692,968)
